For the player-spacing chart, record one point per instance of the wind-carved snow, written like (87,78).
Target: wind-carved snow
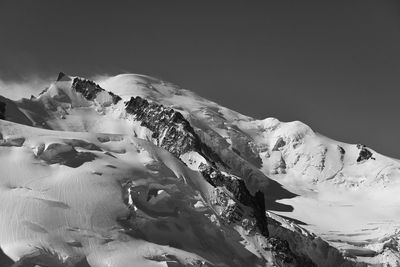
(97,184)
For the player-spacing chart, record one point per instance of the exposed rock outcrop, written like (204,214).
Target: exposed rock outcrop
(90,89)
(238,189)
(279,143)
(64,154)
(170,130)
(342,153)
(305,248)
(63,77)
(4,259)
(2,111)
(365,154)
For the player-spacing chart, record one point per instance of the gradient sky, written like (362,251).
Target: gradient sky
(334,65)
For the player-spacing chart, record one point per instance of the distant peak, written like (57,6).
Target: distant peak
(63,77)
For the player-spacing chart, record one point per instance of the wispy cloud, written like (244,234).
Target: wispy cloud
(32,85)
(98,78)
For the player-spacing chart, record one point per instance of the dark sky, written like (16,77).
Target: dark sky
(334,65)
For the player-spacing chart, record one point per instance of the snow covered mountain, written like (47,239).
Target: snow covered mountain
(135,171)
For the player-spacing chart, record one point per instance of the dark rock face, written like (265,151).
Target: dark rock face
(10,111)
(342,153)
(90,89)
(285,256)
(2,111)
(87,88)
(64,154)
(279,143)
(63,77)
(239,190)
(5,260)
(258,221)
(171,130)
(365,154)
(341,150)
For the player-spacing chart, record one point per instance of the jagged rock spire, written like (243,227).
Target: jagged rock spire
(63,77)
(60,76)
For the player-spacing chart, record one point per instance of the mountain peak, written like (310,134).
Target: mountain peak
(63,77)
(162,144)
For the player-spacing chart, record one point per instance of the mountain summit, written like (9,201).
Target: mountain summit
(131,170)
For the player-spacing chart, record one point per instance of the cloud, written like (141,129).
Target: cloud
(32,85)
